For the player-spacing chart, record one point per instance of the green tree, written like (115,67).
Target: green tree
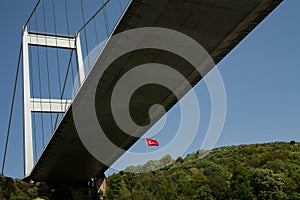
(203,193)
(269,185)
(117,188)
(240,183)
(218,180)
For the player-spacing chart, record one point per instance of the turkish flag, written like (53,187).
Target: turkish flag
(151,142)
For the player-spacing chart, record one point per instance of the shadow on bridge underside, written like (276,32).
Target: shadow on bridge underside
(217,25)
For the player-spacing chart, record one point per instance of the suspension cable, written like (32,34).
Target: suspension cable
(92,17)
(68,27)
(47,68)
(32,12)
(95,28)
(57,54)
(31,85)
(85,35)
(67,73)
(67,18)
(40,85)
(65,82)
(70,59)
(68,30)
(121,7)
(11,109)
(106,23)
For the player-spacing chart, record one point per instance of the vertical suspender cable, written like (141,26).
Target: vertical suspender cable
(68,68)
(68,31)
(121,8)
(68,27)
(40,85)
(65,82)
(57,54)
(85,35)
(95,27)
(47,68)
(69,64)
(106,23)
(34,115)
(67,18)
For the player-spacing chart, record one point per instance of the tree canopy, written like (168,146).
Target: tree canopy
(257,171)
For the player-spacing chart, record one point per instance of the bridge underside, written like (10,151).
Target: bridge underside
(217,25)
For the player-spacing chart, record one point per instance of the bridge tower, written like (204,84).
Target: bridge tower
(32,104)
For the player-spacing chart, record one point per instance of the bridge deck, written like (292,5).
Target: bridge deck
(217,25)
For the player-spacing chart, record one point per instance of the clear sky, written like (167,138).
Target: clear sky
(261,77)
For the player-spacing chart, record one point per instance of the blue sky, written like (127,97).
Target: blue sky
(261,77)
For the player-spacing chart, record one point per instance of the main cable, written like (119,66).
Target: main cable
(11,109)
(65,82)
(92,17)
(32,12)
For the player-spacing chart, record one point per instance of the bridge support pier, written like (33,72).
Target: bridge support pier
(73,191)
(94,190)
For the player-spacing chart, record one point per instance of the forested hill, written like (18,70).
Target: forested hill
(257,171)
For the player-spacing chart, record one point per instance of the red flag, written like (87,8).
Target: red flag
(151,142)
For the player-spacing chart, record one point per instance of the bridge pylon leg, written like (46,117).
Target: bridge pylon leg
(32,104)
(28,147)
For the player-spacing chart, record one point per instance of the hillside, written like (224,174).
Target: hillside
(258,171)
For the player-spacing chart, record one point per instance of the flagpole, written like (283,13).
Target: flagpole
(147,147)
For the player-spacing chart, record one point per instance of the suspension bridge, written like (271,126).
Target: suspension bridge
(57,65)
